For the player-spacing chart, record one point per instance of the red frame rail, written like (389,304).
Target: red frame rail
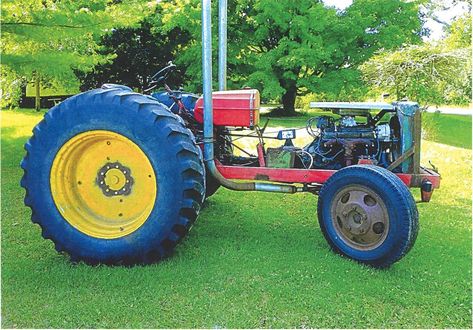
(293,175)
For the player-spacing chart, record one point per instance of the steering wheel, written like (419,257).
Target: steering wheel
(162,74)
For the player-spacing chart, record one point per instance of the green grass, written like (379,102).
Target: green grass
(251,260)
(454,130)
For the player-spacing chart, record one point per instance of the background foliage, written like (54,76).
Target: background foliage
(429,73)
(286,49)
(49,39)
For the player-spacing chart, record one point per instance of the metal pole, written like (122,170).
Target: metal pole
(208,115)
(208,107)
(222,45)
(207,79)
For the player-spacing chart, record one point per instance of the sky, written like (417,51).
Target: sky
(435,28)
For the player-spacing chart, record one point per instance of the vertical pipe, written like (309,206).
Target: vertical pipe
(207,79)
(208,115)
(222,45)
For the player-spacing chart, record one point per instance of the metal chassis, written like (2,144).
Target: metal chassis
(420,177)
(426,179)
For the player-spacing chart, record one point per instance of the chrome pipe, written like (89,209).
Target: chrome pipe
(208,107)
(222,45)
(270,187)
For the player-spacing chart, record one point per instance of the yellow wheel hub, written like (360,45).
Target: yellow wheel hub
(115,179)
(103,184)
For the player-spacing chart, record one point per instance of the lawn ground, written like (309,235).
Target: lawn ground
(251,260)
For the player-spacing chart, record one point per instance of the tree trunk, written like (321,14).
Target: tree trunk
(37,99)
(289,100)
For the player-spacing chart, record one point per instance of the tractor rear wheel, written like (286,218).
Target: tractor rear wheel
(368,214)
(113,177)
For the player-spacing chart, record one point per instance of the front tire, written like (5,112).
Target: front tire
(366,213)
(113,177)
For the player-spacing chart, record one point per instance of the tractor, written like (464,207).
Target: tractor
(117,177)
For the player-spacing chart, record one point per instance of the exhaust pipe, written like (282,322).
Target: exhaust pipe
(208,107)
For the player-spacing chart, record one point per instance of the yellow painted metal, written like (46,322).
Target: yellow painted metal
(115,179)
(79,198)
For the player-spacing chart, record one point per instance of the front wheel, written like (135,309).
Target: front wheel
(366,213)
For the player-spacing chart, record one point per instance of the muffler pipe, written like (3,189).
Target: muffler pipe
(208,111)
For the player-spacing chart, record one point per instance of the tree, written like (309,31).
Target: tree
(48,39)
(312,47)
(139,52)
(288,48)
(459,33)
(185,16)
(428,73)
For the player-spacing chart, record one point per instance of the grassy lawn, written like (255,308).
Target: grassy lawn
(251,260)
(454,130)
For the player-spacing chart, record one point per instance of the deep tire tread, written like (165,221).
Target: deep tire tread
(190,165)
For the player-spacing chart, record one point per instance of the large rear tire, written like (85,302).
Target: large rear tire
(368,214)
(113,177)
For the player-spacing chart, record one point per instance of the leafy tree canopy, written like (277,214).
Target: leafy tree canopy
(459,33)
(288,48)
(138,53)
(429,73)
(50,38)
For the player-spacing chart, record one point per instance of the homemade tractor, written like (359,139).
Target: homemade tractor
(118,177)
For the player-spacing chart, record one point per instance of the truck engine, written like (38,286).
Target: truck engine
(344,141)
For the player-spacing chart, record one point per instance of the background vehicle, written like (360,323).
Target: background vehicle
(118,177)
